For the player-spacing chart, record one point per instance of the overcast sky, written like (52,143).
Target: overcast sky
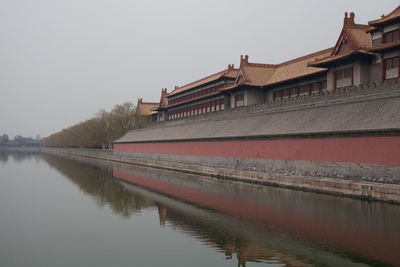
(63,60)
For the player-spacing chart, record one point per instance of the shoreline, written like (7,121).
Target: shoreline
(332,186)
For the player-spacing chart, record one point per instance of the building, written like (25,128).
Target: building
(148,109)
(363,54)
(198,97)
(332,113)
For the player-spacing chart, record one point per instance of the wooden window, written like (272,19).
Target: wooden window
(391,63)
(315,87)
(239,100)
(274,95)
(389,37)
(322,85)
(222,104)
(343,77)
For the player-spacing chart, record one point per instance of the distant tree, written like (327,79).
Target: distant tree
(100,131)
(122,119)
(5,139)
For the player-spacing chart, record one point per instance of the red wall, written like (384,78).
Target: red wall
(336,231)
(367,150)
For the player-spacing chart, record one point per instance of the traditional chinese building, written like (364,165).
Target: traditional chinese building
(363,54)
(201,96)
(332,114)
(385,34)
(147,109)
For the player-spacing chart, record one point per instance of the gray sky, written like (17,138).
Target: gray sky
(63,60)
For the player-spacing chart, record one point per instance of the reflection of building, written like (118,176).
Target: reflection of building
(329,220)
(363,54)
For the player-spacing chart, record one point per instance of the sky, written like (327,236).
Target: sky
(61,61)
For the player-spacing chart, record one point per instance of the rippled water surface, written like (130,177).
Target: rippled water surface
(58,211)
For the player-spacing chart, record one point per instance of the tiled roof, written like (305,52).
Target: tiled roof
(395,14)
(359,35)
(330,59)
(146,108)
(230,72)
(298,67)
(163,99)
(382,113)
(266,74)
(359,38)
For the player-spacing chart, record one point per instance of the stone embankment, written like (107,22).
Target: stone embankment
(344,142)
(342,187)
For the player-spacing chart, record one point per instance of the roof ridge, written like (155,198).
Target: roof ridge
(188,84)
(153,103)
(384,17)
(262,65)
(305,57)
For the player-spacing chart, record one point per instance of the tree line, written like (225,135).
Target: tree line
(19,141)
(99,131)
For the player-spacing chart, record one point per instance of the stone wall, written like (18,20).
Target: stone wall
(355,188)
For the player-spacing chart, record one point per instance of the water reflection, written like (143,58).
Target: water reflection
(96,180)
(18,156)
(364,231)
(248,224)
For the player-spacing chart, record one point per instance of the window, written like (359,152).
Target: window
(275,95)
(389,37)
(392,63)
(343,77)
(344,73)
(239,100)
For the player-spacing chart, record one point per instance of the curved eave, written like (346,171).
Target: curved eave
(379,23)
(384,47)
(296,78)
(325,63)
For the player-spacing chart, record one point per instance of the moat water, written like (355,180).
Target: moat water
(58,211)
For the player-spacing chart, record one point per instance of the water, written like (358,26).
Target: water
(57,211)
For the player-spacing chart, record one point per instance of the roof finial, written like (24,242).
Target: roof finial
(140,100)
(244,60)
(349,21)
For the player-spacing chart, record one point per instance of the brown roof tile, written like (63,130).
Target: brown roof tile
(395,14)
(298,67)
(330,59)
(230,72)
(359,39)
(163,98)
(146,108)
(266,74)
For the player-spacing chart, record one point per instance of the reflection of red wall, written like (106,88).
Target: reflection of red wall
(338,232)
(369,150)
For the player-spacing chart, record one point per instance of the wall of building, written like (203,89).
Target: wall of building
(254,96)
(305,81)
